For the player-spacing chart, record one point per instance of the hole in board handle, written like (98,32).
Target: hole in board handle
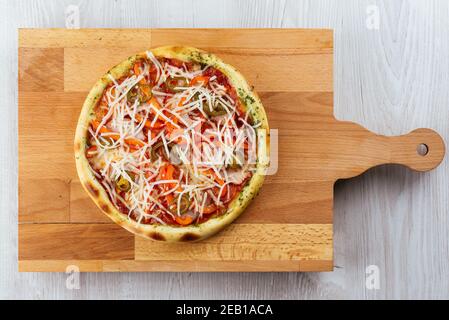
(423,149)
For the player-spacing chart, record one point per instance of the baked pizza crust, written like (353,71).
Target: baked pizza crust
(167,232)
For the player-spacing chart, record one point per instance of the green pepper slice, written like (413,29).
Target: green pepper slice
(175,82)
(156,150)
(184,204)
(123,184)
(215,112)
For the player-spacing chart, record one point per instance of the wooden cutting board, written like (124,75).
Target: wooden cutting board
(289,225)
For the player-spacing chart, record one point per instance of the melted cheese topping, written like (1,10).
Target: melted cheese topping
(170,143)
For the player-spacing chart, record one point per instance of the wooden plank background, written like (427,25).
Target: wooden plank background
(290,220)
(391,80)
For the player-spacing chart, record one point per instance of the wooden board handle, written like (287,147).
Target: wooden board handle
(420,150)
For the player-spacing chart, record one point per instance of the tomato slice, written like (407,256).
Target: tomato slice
(91,151)
(184,220)
(199,80)
(209,209)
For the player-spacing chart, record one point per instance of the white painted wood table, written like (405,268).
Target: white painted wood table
(391,78)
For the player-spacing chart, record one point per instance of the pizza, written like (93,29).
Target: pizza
(172,144)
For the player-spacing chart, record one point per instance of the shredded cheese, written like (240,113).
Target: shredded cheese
(209,147)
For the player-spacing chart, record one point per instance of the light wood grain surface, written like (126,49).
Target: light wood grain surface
(390,80)
(290,220)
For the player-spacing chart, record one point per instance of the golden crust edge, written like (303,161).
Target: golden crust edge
(163,232)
